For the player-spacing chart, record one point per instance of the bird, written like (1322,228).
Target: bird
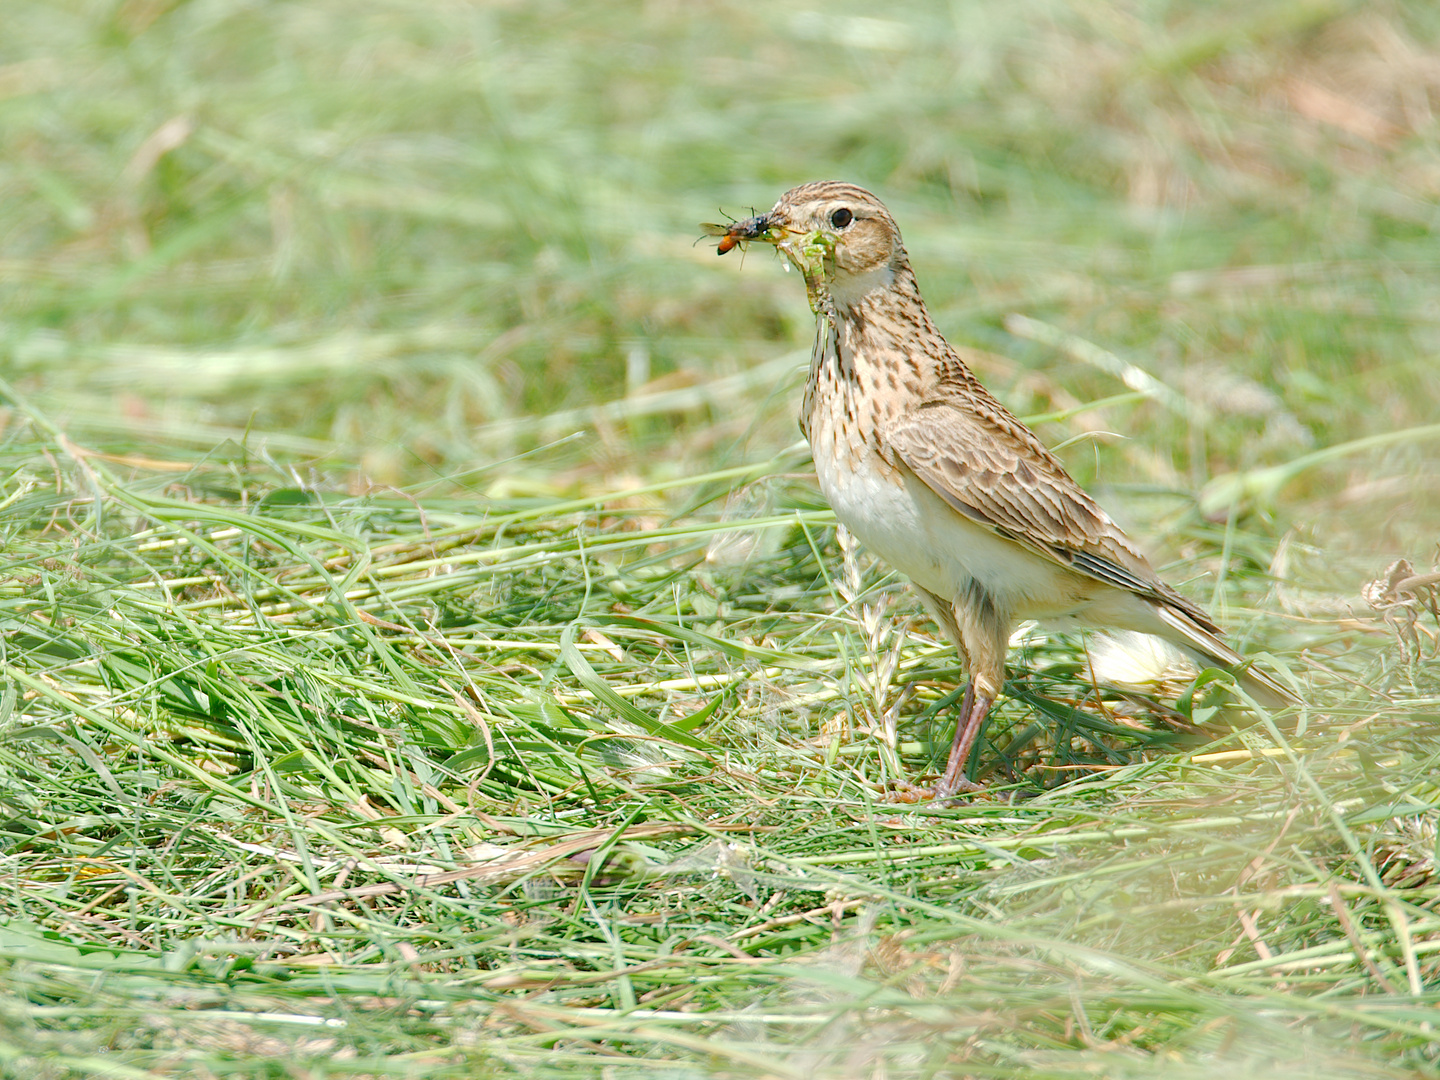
(935,476)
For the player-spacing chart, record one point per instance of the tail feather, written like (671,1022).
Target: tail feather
(1211,650)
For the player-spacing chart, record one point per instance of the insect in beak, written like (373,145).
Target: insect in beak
(735,233)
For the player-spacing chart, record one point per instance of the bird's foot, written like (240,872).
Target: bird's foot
(962,786)
(904,792)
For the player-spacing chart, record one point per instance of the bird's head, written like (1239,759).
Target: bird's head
(838,235)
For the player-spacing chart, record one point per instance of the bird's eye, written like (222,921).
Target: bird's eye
(840,218)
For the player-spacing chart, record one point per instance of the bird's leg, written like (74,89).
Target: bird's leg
(981,633)
(973,711)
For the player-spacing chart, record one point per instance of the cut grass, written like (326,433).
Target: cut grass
(366,785)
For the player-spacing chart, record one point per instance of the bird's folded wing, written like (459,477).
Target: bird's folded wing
(994,471)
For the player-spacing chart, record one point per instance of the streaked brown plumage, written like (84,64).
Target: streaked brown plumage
(938,478)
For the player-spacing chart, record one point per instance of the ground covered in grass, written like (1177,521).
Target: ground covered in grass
(426,654)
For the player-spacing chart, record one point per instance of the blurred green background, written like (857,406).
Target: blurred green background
(393,241)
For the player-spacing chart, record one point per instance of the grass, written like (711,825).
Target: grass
(425,652)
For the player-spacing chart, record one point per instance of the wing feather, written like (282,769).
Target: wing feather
(988,466)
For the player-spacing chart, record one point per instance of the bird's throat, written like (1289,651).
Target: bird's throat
(853,291)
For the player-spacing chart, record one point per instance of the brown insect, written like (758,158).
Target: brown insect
(737,232)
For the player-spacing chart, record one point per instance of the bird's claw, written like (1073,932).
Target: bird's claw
(904,792)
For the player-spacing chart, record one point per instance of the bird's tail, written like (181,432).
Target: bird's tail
(1207,647)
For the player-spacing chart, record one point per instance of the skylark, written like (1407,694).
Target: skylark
(938,478)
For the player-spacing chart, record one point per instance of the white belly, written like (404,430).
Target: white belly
(913,530)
